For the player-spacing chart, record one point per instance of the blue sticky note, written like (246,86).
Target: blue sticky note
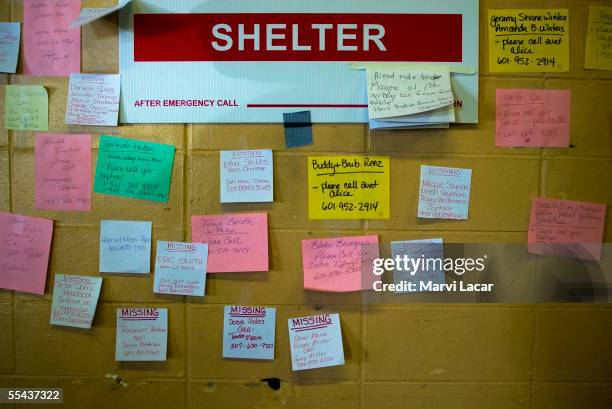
(125,246)
(9,46)
(248,332)
(298,129)
(444,193)
(424,263)
(247,176)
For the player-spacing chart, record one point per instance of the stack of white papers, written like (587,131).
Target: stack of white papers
(400,99)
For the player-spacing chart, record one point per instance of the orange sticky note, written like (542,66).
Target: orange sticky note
(566,228)
(236,242)
(339,264)
(63,172)
(532,118)
(25,243)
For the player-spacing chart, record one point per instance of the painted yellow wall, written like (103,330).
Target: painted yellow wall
(408,356)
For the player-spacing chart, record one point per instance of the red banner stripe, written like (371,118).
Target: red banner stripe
(298,37)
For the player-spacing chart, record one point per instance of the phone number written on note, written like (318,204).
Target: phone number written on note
(350,207)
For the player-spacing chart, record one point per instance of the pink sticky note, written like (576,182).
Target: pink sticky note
(339,264)
(236,242)
(24,252)
(63,172)
(51,48)
(532,118)
(566,228)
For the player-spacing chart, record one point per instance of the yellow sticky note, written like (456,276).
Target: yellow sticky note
(27,108)
(348,187)
(598,53)
(528,40)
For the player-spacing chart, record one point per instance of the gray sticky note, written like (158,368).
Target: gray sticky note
(298,129)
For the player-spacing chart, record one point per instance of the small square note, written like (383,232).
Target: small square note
(180,268)
(236,242)
(248,332)
(316,342)
(125,246)
(142,334)
(74,300)
(444,193)
(246,176)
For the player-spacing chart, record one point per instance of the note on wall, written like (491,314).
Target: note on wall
(529,40)
(444,193)
(131,168)
(532,118)
(339,264)
(298,129)
(26,108)
(50,47)
(88,15)
(9,46)
(246,176)
(24,252)
(598,53)
(93,99)
(236,242)
(74,300)
(180,268)
(248,332)
(424,272)
(316,342)
(566,228)
(142,334)
(348,187)
(63,172)
(394,93)
(125,246)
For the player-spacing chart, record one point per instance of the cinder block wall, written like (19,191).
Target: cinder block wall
(401,356)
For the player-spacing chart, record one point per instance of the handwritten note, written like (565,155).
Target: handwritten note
(339,264)
(142,334)
(444,193)
(348,187)
(248,332)
(425,272)
(236,242)
(532,117)
(10,34)
(91,14)
(50,47)
(394,93)
(180,268)
(25,243)
(125,246)
(74,300)
(246,176)
(27,108)
(598,54)
(316,342)
(131,168)
(63,172)
(566,228)
(93,99)
(529,40)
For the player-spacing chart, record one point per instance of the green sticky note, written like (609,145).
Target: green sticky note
(131,168)
(27,108)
